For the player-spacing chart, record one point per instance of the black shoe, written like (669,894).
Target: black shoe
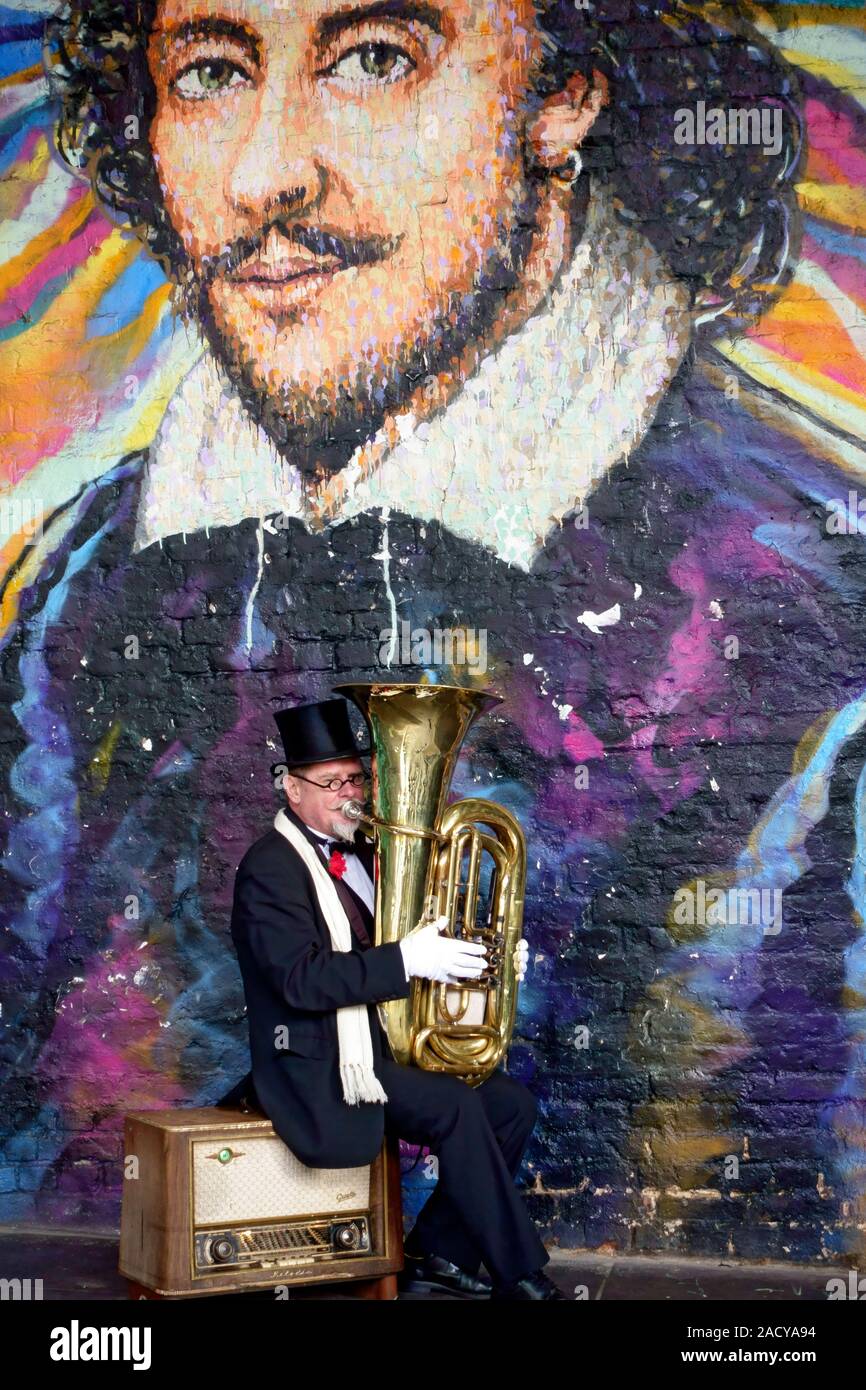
(435,1274)
(534,1286)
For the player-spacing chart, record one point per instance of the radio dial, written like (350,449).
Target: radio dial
(347,1237)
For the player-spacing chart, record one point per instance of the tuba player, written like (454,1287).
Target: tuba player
(313,976)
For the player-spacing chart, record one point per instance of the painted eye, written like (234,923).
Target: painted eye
(370,63)
(211,77)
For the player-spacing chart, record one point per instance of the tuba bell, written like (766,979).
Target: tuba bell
(466,861)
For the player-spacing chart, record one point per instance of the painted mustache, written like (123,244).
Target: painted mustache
(298,250)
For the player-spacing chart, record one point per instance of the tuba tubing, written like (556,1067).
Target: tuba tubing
(430,862)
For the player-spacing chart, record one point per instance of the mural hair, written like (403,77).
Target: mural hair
(724,216)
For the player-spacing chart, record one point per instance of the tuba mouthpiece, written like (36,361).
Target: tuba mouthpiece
(352,810)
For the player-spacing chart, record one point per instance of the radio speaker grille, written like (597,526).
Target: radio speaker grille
(260,1179)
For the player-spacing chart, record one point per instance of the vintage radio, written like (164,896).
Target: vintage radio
(214,1201)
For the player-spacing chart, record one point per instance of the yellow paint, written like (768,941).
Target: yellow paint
(114,351)
(99,767)
(809,741)
(839,203)
(18,79)
(61,231)
(18,181)
(800,16)
(836,74)
(55,351)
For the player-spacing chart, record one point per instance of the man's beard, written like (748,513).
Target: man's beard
(343,830)
(320,429)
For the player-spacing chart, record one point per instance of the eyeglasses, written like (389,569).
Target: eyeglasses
(357,779)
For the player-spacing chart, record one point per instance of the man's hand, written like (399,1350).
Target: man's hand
(521,956)
(431,956)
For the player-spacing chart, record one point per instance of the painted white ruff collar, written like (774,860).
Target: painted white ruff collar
(561,401)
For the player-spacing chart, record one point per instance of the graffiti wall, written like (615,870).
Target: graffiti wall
(511,345)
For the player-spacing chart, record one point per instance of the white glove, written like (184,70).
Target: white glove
(521,956)
(431,956)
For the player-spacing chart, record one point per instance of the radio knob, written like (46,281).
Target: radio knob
(347,1236)
(222,1250)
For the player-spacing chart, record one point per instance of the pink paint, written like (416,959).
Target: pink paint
(580,742)
(671,785)
(691,653)
(63,260)
(176,749)
(43,445)
(604,814)
(641,738)
(850,383)
(783,350)
(98,1058)
(834,131)
(690,670)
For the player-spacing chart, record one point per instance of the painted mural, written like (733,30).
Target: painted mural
(509,343)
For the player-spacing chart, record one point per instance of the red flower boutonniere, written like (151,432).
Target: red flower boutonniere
(336,864)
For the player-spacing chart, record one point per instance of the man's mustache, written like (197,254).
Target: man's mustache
(319,242)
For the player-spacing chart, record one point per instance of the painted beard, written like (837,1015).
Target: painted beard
(320,428)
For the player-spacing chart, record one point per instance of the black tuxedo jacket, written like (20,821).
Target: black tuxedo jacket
(294,982)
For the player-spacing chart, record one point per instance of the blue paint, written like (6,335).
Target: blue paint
(125,299)
(16,57)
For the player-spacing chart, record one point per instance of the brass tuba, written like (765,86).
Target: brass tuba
(430,862)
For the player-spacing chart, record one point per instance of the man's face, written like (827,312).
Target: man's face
(347,180)
(317,804)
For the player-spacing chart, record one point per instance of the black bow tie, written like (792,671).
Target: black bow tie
(341,846)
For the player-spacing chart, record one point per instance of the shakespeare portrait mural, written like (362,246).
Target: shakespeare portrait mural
(507,345)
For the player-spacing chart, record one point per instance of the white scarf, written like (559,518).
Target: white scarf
(360,1082)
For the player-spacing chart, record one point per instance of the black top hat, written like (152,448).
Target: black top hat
(316,733)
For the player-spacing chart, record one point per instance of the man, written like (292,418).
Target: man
(299,987)
(430,335)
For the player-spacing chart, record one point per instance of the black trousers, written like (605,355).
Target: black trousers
(478,1134)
